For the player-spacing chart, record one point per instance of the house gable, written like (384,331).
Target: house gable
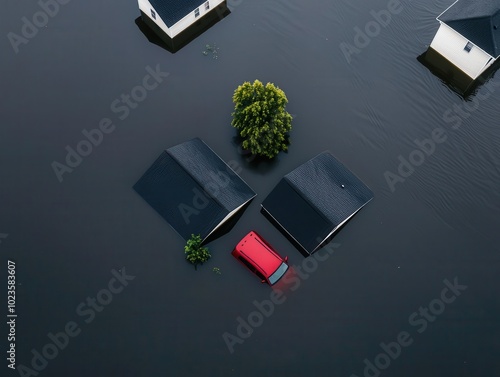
(173,17)
(147,8)
(457,49)
(477,21)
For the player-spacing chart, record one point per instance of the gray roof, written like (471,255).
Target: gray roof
(172,11)
(316,198)
(192,188)
(478,21)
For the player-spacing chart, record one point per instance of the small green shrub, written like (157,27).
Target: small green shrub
(195,253)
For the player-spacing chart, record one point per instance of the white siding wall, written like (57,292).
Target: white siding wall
(190,18)
(146,7)
(451,45)
(184,23)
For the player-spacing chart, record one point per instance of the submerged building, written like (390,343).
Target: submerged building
(312,202)
(178,21)
(193,189)
(469,35)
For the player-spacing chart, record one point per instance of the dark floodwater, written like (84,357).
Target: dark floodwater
(440,223)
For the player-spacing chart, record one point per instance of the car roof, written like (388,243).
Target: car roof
(254,247)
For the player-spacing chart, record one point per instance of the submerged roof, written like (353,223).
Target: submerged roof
(172,11)
(314,200)
(193,189)
(476,20)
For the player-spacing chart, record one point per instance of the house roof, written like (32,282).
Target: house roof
(193,189)
(172,11)
(311,202)
(476,20)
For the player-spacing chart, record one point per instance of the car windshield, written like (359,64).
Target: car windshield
(278,273)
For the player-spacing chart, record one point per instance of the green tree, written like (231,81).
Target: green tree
(261,119)
(195,253)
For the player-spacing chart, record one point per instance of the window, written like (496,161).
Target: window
(261,277)
(207,5)
(153,14)
(247,263)
(197,12)
(468,47)
(251,268)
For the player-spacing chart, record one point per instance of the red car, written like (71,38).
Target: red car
(260,258)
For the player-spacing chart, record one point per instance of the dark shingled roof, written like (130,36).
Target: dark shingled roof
(478,21)
(172,11)
(193,189)
(309,203)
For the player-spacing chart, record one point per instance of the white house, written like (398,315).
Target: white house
(169,18)
(469,35)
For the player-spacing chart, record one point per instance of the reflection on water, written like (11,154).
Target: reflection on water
(445,70)
(452,75)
